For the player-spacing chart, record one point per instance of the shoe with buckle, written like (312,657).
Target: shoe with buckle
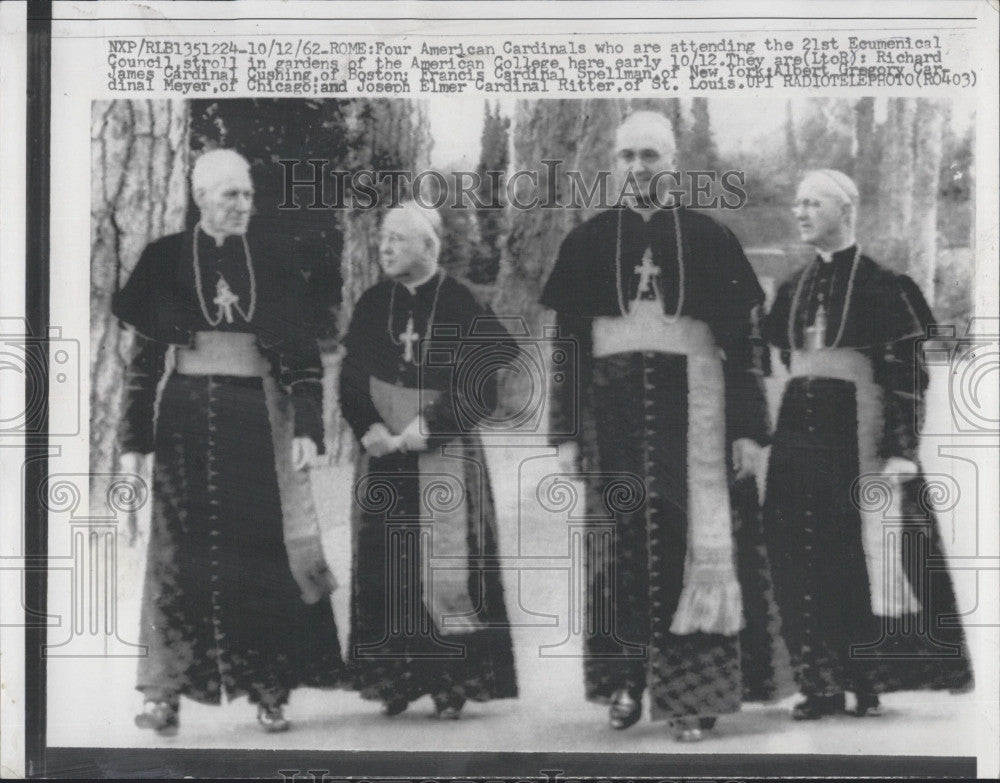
(160,716)
(815,707)
(690,729)
(272,719)
(867,704)
(625,710)
(394,705)
(448,706)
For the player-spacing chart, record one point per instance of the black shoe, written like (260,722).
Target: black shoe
(815,707)
(272,719)
(689,729)
(394,706)
(625,711)
(160,716)
(868,704)
(448,706)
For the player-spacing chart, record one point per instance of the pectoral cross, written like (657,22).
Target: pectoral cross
(646,273)
(408,339)
(225,299)
(815,338)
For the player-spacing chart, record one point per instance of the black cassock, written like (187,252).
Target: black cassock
(865,595)
(221,610)
(634,410)
(424,527)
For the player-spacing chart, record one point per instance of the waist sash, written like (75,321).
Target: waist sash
(443,500)
(710,600)
(892,594)
(222,353)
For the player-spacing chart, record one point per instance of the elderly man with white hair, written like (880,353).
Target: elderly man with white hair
(666,405)
(235,597)
(867,605)
(417,381)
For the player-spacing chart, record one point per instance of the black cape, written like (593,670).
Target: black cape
(812,522)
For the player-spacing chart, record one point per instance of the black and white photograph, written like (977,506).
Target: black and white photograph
(633,450)
(505,390)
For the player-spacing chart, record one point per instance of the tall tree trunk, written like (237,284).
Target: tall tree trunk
(824,134)
(866,167)
(928,138)
(139,154)
(896,184)
(580,134)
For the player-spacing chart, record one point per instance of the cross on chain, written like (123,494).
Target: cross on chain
(646,272)
(408,338)
(225,299)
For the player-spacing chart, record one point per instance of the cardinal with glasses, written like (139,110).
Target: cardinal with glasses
(866,599)
(418,382)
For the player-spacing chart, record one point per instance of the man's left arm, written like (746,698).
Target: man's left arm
(899,371)
(746,404)
(744,350)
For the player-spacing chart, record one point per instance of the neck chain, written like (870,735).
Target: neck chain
(430,321)
(619,289)
(248,315)
(843,315)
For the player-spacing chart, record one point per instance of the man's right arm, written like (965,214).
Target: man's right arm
(356,405)
(136,432)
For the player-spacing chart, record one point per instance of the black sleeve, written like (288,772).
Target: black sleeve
(461,408)
(741,299)
(774,325)
(746,404)
(569,382)
(290,344)
(898,369)
(301,376)
(136,429)
(354,394)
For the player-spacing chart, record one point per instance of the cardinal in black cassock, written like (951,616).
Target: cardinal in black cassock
(427,605)
(235,599)
(659,303)
(866,599)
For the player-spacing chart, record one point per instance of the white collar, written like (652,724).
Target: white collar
(415,284)
(827,255)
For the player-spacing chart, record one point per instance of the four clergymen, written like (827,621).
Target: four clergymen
(669,432)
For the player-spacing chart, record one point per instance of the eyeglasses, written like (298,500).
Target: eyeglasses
(645,155)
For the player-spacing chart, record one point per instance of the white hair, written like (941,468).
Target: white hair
(842,184)
(212,165)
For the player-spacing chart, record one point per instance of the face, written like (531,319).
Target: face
(405,251)
(822,213)
(226,204)
(643,149)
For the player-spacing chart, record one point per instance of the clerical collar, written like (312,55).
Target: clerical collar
(209,241)
(647,213)
(847,253)
(413,286)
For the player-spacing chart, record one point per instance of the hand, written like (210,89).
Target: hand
(378,441)
(308,566)
(569,456)
(746,457)
(414,437)
(133,463)
(304,452)
(900,469)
